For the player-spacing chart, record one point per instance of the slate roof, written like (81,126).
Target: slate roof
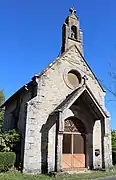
(71,98)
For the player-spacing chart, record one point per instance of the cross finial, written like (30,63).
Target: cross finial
(85,79)
(72,10)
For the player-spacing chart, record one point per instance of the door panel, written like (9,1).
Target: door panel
(73,151)
(78,160)
(70,161)
(67,141)
(78,144)
(67,161)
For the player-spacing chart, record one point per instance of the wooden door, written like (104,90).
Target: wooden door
(73,150)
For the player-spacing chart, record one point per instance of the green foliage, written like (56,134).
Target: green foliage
(64,176)
(9,140)
(7,160)
(114,146)
(2,98)
(114,138)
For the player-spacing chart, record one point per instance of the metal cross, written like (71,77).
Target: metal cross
(85,79)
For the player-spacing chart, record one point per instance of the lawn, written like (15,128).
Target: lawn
(84,176)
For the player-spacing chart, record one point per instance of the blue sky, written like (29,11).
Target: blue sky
(30,39)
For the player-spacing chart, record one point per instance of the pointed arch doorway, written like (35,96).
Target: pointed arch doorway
(74,144)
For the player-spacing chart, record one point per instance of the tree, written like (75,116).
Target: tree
(2,98)
(114,138)
(114,146)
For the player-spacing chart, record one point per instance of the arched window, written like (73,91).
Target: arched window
(74,125)
(74,32)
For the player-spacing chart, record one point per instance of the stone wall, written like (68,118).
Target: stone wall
(97,145)
(107,144)
(18,106)
(52,90)
(8,120)
(40,132)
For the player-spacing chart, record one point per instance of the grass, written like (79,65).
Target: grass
(81,176)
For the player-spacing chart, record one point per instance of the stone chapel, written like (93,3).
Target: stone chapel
(61,112)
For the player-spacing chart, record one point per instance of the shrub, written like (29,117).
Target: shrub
(7,160)
(8,140)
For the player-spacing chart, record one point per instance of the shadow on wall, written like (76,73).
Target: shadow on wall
(52,119)
(114,155)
